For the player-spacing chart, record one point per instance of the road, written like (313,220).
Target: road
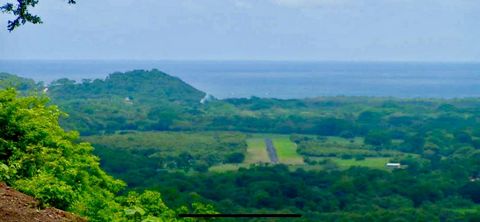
(272,152)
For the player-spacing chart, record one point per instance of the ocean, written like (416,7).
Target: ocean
(280,79)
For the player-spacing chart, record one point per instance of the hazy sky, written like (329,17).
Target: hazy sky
(413,30)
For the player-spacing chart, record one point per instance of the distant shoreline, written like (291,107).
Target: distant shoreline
(279,79)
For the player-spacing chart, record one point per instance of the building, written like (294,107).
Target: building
(393,165)
(128,100)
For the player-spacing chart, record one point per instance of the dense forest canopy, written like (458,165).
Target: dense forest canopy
(125,101)
(152,131)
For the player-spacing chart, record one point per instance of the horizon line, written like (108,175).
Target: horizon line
(241,60)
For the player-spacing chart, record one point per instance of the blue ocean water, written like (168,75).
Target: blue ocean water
(227,79)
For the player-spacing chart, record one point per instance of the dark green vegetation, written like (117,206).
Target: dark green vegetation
(151,131)
(169,150)
(356,194)
(19,83)
(136,100)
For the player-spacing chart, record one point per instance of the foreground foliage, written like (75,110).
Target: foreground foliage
(39,158)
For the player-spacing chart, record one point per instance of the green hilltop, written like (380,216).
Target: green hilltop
(138,85)
(136,100)
(22,84)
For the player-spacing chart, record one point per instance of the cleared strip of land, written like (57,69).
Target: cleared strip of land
(287,151)
(256,152)
(272,153)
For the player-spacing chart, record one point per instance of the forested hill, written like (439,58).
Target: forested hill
(137,86)
(136,100)
(19,83)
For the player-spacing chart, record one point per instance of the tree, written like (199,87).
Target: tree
(20,10)
(463,137)
(235,158)
(471,191)
(378,139)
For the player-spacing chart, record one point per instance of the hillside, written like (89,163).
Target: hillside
(138,85)
(18,207)
(133,100)
(22,84)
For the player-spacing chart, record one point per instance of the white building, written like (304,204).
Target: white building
(393,165)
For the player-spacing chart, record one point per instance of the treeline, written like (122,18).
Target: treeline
(436,193)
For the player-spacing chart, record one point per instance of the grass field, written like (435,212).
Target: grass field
(357,141)
(287,154)
(372,162)
(256,151)
(287,151)
(337,147)
(473,209)
(227,167)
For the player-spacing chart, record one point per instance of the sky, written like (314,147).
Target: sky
(323,30)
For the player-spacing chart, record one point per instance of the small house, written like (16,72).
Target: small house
(393,165)
(128,100)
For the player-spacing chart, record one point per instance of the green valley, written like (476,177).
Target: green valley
(240,111)
(153,132)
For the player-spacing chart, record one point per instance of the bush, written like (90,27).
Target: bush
(359,157)
(378,138)
(346,156)
(347,134)
(235,158)
(201,166)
